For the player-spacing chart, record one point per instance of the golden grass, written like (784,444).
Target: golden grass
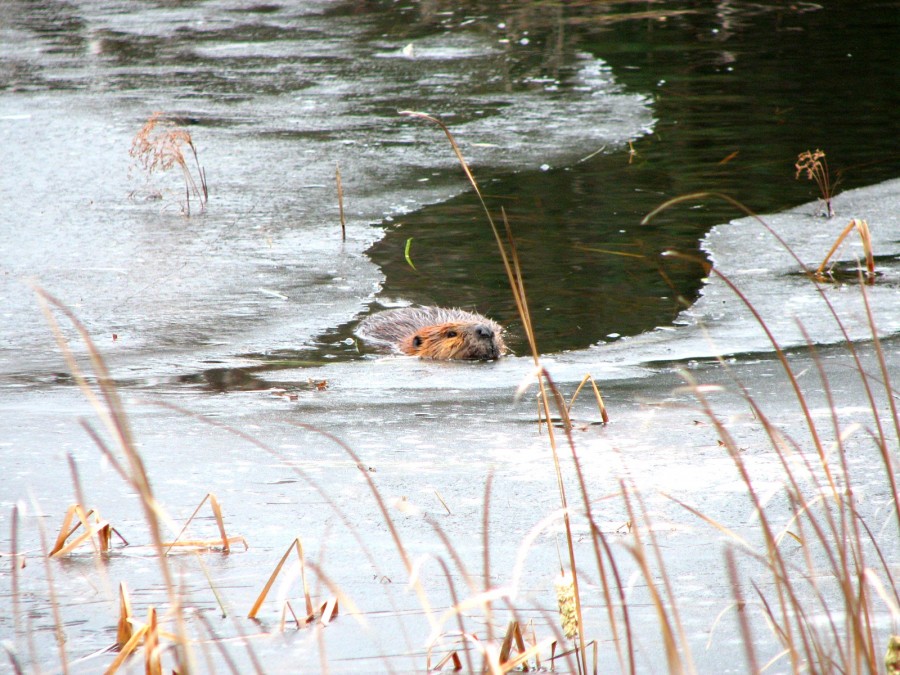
(224,541)
(837,545)
(147,632)
(326,612)
(548,392)
(96,530)
(601,406)
(297,546)
(125,625)
(823,522)
(865,235)
(103,396)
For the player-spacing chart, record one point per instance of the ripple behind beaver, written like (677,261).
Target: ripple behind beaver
(435,333)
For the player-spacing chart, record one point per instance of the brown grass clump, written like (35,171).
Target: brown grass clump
(326,611)
(161,145)
(96,530)
(148,632)
(819,600)
(512,654)
(824,601)
(816,168)
(224,541)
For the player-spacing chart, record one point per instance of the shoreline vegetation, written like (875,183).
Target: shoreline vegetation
(810,575)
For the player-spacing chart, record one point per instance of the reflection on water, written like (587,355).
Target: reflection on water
(279,94)
(739,91)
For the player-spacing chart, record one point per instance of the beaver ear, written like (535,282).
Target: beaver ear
(417,341)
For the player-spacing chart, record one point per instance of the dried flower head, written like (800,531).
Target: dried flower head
(160,145)
(565,598)
(816,168)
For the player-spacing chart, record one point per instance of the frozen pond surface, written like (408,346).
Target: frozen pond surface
(265,268)
(209,314)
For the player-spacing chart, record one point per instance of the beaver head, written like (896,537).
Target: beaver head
(456,340)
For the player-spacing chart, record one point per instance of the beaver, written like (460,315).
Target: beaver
(435,333)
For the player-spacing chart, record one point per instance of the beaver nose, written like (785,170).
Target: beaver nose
(484,332)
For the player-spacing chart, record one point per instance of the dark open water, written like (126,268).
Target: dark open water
(738,91)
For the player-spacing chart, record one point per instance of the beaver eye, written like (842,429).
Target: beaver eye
(451,333)
(417,341)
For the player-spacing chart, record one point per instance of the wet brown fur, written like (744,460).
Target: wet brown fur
(435,333)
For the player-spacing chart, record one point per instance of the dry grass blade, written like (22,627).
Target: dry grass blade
(512,634)
(600,405)
(328,611)
(865,235)
(220,523)
(295,545)
(452,656)
(815,166)
(14,562)
(127,649)
(101,529)
(715,523)
(224,540)
(534,642)
(59,633)
(286,609)
(667,619)
(124,627)
(340,196)
(486,555)
(741,607)
(152,661)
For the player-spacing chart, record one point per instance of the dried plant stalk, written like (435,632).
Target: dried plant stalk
(96,527)
(127,649)
(865,235)
(600,405)
(340,196)
(295,545)
(152,662)
(816,168)
(224,541)
(160,145)
(124,628)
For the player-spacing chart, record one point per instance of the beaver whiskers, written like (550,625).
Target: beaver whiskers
(435,333)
